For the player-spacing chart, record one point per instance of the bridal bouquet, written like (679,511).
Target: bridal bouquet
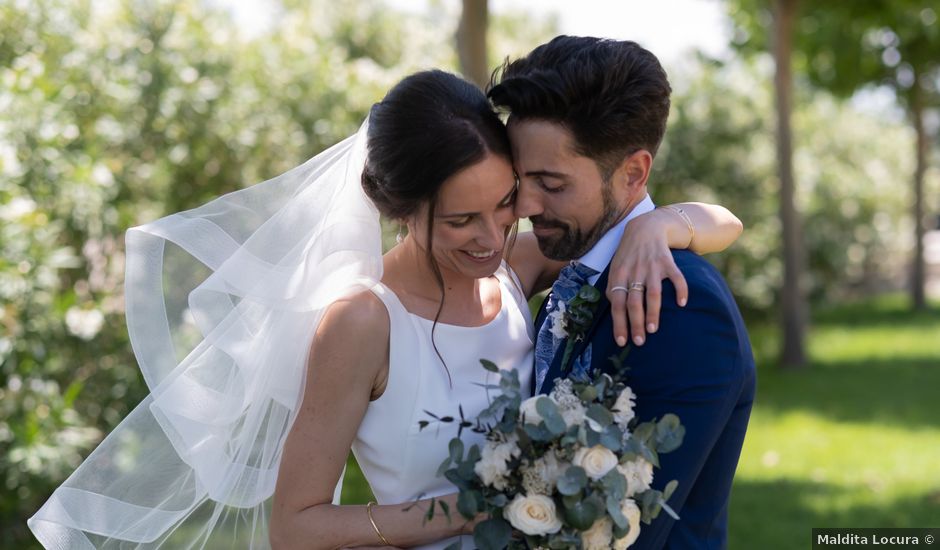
(567,470)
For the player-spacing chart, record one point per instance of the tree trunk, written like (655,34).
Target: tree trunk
(471,41)
(793,301)
(918,269)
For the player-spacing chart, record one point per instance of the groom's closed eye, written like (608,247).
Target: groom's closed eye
(548,181)
(554,187)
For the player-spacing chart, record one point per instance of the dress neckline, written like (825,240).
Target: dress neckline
(499,315)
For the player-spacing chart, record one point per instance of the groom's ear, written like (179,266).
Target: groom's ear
(630,177)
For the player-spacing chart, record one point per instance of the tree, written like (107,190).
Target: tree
(793,300)
(893,43)
(847,46)
(720,147)
(793,353)
(471,41)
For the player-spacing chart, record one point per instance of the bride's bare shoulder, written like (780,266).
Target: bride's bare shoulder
(362,314)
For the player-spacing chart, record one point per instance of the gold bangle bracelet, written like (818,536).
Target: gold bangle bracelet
(374,526)
(685,217)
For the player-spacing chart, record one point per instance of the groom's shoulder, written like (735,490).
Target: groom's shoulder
(702,278)
(696,267)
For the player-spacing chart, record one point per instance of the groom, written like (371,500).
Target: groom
(586,118)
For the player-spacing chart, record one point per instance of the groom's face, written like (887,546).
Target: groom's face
(562,193)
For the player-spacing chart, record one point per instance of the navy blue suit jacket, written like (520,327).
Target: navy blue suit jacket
(699,366)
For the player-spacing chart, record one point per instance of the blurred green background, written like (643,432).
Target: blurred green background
(114,113)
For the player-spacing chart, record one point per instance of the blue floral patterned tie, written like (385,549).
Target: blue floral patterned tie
(570,281)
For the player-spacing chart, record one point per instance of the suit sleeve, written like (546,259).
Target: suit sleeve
(696,368)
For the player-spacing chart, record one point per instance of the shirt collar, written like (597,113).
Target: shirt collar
(603,250)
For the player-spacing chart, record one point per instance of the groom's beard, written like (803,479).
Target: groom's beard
(572,243)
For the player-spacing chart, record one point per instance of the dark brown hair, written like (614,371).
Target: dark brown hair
(613,96)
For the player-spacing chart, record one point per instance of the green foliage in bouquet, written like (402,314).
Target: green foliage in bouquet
(567,470)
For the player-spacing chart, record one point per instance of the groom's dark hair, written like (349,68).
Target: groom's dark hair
(613,96)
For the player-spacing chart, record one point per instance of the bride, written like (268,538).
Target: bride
(275,337)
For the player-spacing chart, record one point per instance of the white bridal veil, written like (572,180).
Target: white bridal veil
(222,304)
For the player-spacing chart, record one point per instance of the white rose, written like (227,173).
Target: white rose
(639,474)
(624,407)
(632,512)
(533,515)
(596,461)
(598,536)
(492,468)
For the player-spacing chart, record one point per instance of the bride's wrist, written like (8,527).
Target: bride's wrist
(674,227)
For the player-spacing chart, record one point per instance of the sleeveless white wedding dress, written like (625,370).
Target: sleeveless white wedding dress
(399,461)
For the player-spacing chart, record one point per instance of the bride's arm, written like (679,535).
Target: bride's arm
(643,256)
(347,363)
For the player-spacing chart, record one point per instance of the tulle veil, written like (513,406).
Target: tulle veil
(222,303)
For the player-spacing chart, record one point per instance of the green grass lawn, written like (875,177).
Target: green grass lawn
(851,441)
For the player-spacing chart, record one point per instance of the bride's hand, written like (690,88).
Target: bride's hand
(643,258)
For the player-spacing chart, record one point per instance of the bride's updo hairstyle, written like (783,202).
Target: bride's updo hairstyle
(429,127)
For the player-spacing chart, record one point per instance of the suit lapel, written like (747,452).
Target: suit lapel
(601,309)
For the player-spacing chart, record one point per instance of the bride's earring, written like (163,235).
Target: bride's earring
(399,238)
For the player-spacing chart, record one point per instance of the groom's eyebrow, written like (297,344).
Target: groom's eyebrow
(464,214)
(547,173)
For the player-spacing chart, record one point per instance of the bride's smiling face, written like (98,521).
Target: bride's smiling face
(472,218)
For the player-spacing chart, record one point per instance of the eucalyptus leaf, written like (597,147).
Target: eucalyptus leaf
(498,500)
(592,438)
(668,509)
(469,503)
(445,508)
(570,500)
(538,433)
(454,477)
(443,467)
(616,513)
(492,534)
(600,414)
(564,541)
(489,365)
(644,432)
(583,515)
(670,488)
(473,455)
(669,433)
(465,470)
(588,394)
(456,449)
(589,293)
(650,503)
(612,438)
(614,484)
(548,410)
(573,480)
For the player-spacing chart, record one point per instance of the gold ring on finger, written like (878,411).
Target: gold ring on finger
(638,286)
